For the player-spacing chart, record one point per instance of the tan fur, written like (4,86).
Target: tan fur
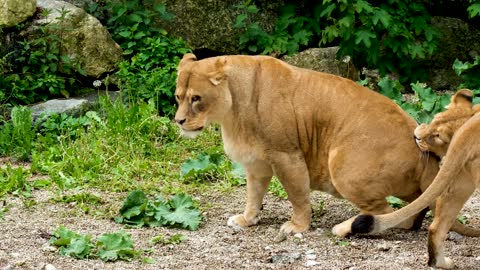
(312,130)
(454,135)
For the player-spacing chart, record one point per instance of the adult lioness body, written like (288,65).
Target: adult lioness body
(310,129)
(452,134)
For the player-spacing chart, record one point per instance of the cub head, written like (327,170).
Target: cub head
(202,93)
(435,137)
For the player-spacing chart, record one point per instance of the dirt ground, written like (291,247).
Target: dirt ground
(24,234)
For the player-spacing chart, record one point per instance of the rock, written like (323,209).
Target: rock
(280,237)
(209,23)
(311,263)
(86,41)
(455,236)
(73,106)
(298,236)
(49,267)
(285,258)
(324,60)
(311,256)
(48,248)
(459,40)
(310,251)
(383,247)
(13,12)
(8,267)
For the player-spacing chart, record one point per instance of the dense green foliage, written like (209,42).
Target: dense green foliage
(389,35)
(149,70)
(40,69)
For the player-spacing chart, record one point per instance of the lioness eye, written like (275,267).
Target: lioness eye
(195,98)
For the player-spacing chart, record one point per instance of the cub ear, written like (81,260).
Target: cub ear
(476,108)
(218,75)
(187,58)
(462,97)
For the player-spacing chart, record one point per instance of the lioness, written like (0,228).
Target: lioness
(312,130)
(454,135)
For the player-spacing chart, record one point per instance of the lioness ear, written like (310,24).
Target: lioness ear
(187,58)
(218,76)
(462,97)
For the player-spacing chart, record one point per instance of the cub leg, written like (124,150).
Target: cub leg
(259,175)
(293,173)
(447,208)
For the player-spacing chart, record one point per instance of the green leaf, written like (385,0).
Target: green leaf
(382,16)
(183,212)
(390,88)
(364,36)
(327,12)
(474,10)
(71,243)
(133,209)
(115,246)
(201,164)
(252,9)
(363,7)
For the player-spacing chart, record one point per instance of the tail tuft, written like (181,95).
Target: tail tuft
(363,224)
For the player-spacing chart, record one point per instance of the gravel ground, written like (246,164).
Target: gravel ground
(24,234)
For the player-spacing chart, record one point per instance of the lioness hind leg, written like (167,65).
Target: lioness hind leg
(259,175)
(447,208)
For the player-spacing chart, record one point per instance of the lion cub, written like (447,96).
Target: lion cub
(453,135)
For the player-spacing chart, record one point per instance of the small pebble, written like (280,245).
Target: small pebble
(455,236)
(298,235)
(280,237)
(8,267)
(310,251)
(383,247)
(310,263)
(311,256)
(49,267)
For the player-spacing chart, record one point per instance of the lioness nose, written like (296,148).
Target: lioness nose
(180,121)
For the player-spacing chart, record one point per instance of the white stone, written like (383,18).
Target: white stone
(310,263)
(298,235)
(49,267)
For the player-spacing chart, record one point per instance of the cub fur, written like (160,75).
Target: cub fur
(310,129)
(453,135)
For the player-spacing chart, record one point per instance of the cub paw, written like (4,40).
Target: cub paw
(446,263)
(341,230)
(240,222)
(290,227)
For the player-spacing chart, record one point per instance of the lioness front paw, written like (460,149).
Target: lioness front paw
(446,263)
(290,227)
(239,221)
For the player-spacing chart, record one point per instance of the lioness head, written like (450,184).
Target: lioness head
(435,137)
(202,93)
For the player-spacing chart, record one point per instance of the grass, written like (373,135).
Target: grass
(120,148)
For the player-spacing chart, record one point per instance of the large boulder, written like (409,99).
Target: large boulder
(324,60)
(13,12)
(208,24)
(459,40)
(84,38)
